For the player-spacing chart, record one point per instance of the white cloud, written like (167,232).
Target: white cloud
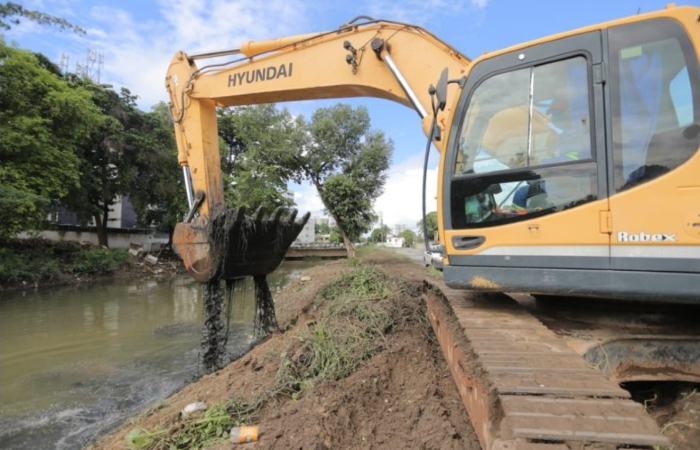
(137,52)
(307,199)
(401,202)
(480,4)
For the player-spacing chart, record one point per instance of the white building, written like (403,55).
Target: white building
(308,233)
(395,242)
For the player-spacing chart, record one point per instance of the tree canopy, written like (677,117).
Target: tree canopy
(431,222)
(155,184)
(10,14)
(259,143)
(409,237)
(43,120)
(347,163)
(379,234)
(66,140)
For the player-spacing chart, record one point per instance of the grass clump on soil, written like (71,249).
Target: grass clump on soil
(34,260)
(355,313)
(352,317)
(196,431)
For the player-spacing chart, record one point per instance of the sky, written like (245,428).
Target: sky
(138,38)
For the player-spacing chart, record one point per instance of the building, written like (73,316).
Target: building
(121,215)
(308,233)
(122,228)
(395,242)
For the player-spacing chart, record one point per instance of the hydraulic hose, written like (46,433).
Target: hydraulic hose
(425,178)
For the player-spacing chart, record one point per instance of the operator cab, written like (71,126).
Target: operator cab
(561,150)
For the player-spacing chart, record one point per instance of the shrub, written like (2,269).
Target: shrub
(98,261)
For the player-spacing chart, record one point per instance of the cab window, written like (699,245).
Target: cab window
(525,145)
(655,92)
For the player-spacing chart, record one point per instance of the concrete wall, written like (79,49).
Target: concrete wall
(117,239)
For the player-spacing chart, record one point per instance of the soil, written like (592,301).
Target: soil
(403,397)
(676,409)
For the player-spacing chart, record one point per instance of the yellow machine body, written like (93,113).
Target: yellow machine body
(602,202)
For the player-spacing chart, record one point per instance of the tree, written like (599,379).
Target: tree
(347,164)
(409,237)
(258,157)
(380,234)
(431,222)
(42,121)
(11,12)
(105,172)
(154,185)
(336,235)
(322,228)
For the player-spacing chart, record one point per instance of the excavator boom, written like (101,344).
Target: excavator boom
(371,58)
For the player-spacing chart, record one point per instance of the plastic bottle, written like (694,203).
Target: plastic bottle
(242,435)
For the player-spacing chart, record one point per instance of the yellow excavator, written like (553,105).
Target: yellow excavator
(568,165)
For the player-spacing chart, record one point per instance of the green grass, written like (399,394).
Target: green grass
(196,431)
(355,313)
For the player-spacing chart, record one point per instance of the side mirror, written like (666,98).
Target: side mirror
(441,90)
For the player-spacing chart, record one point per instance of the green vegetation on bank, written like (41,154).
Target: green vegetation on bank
(39,260)
(353,316)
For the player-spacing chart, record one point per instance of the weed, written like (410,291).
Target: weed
(363,250)
(364,281)
(361,307)
(98,261)
(195,431)
(39,260)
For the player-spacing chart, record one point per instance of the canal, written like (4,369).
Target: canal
(75,361)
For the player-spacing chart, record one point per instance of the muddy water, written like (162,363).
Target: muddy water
(76,361)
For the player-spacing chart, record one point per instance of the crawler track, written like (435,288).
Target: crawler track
(523,388)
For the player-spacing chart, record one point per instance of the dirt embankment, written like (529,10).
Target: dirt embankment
(401,395)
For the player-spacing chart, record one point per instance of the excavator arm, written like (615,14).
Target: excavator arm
(373,58)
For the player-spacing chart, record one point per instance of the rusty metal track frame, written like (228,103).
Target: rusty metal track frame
(523,388)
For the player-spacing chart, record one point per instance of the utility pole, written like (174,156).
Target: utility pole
(91,69)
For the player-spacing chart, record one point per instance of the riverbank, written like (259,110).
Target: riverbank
(305,388)
(321,383)
(27,263)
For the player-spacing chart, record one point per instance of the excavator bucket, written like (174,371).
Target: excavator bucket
(233,245)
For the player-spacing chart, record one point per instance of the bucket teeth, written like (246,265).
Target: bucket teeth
(252,245)
(275,217)
(260,213)
(293,215)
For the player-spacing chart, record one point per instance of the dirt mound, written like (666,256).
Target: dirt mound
(399,393)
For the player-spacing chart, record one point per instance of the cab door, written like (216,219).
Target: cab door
(655,134)
(525,178)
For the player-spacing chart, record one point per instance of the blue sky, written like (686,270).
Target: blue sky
(137,39)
